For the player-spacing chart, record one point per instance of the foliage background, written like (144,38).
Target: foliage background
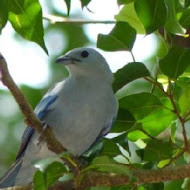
(153,119)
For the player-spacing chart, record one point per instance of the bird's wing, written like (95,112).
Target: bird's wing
(42,108)
(104,131)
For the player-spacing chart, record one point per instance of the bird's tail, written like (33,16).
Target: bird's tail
(8,179)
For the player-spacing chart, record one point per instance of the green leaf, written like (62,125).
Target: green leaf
(155,186)
(152,14)
(124,121)
(175,62)
(172,24)
(110,148)
(184,100)
(186,156)
(105,164)
(3,13)
(128,14)
(66,177)
(100,188)
(162,163)
(84,3)
(122,37)
(136,135)
(158,121)
(162,47)
(185,19)
(128,73)
(53,172)
(122,141)
(26,18)
(121,2)
(158,150)
(187,3)
(140,105)
(39,181)
(68,3)
(186,184)
(173,131)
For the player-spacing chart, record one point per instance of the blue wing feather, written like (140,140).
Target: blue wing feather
(41,109)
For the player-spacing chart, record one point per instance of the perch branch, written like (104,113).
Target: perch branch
(93,178)
(30,118)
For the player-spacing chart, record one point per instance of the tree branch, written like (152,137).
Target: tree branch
(140,177)
(30,118)
(93,178)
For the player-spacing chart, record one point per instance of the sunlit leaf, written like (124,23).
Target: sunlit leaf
(128,14)
(175,62)
(136,135)
(128,73)
(3,13)
(152,14)
(140,105)
(26,18)
(158,121)
(162,163)
(122,37)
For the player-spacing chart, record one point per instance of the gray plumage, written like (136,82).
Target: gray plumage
(81,109)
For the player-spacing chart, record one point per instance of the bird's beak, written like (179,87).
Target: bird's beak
(65,59)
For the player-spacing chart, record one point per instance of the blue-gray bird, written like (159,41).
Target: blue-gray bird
(80,109)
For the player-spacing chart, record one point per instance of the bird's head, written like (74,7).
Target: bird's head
(86,62)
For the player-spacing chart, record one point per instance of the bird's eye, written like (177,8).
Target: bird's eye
(84,54)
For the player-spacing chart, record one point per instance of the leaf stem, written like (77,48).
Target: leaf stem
(132,55)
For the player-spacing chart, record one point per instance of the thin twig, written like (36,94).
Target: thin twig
(175,157)
(58,19)
(186,144)
(156,84)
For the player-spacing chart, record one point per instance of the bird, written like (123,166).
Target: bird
(80,110)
